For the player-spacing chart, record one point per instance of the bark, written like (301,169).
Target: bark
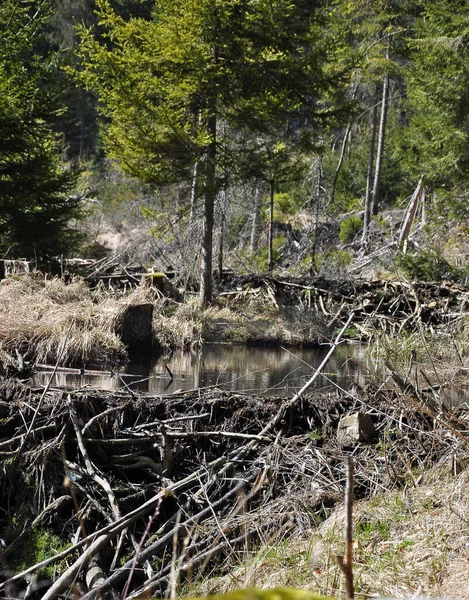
(417,197)
(222,204)
(82,150)
(256,220)
(206,276)
(194,193)
(342,151)
(380,150)
(271,225)
(369,178)
(347,564)
(341,160)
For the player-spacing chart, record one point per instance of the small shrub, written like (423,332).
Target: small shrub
(428,265)
(286,205)
(258,261)
(349,228)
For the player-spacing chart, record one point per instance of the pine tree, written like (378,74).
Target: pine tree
(166,88)
(35,202)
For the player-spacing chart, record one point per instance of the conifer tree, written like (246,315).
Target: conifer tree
(167,86)
(436,141)
(35,202)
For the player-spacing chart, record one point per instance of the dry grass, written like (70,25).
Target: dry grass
(178,326)
(244,318)
(406,542)
(47,320)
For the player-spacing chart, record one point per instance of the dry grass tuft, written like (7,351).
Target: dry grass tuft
(177,326)
(49,320)
(235,320)
(406,542)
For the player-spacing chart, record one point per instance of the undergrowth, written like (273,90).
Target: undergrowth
(405,541)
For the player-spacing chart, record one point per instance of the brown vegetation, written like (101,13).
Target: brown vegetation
(191,484)
(47,321)
(176,492)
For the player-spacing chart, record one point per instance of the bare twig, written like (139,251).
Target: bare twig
(346,566)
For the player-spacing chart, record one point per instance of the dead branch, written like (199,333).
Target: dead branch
(346,566)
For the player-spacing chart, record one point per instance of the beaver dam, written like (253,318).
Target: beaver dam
(122,495)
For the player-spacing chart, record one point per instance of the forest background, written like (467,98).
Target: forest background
(235,126)
(262,136)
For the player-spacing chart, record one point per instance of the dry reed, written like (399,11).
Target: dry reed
(47,319)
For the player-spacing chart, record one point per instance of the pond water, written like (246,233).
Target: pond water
(261,370)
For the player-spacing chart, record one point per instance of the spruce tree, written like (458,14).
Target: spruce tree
(36,204)
(168,86)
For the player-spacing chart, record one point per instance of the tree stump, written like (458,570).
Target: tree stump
(136,329)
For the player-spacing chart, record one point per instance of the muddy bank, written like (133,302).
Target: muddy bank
(111,487)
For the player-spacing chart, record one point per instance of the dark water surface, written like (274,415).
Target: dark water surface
(261,370)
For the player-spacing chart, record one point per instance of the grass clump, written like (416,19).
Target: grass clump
(47,320)
(405,541)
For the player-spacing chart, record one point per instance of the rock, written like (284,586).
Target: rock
(355,428)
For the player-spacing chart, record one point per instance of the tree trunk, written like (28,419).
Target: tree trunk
(271,225)
(369,179)
(380,151)
(222,205)
(256,220)
(194,193)
(342,152)
(411,212)
(210,192)
(341,160)
(82,150)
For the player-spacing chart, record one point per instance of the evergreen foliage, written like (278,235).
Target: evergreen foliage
(35,185)
(198,99)
(350,228)
(435,142)
(217,84)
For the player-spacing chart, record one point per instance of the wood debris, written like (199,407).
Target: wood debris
(138,482)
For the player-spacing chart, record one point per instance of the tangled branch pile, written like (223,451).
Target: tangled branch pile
(140,493)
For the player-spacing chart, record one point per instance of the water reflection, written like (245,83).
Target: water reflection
(270,371)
